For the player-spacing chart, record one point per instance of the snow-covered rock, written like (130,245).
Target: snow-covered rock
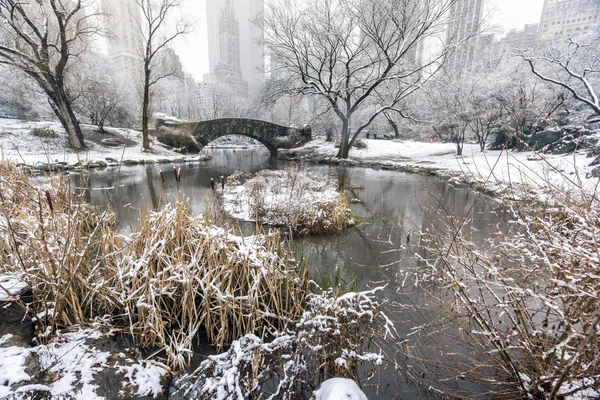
(339,389)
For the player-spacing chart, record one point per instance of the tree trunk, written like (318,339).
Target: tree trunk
(62,109)
(145,108)
(344,141)
(393,124)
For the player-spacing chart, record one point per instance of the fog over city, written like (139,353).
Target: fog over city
(299,199)
(193,49)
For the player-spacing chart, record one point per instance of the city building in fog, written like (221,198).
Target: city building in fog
(567,18)
(522,40)
(466,17)
(235,54)
(122,20)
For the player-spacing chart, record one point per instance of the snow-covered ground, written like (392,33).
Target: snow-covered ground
(18,144)
(493,169)
(74,364)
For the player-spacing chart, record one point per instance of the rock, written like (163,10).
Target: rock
(131,162)
(563,146)
(595,162)
(563,140)
(97,164)
(14,321)
(38,393)
(112,142)
(180,140)
(544,138)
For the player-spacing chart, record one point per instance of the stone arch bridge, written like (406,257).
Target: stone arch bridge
(271,135)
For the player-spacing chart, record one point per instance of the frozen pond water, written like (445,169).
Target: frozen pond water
(392,206)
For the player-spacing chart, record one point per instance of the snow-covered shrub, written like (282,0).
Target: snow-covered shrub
(332,338)
(303,202)
(527,305)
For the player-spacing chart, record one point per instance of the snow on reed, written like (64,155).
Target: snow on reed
(182,273)
(330,340)
(176,273)
(302,201)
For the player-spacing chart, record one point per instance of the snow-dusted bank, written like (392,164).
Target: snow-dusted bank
(73,365)
(502,172)
(44,145)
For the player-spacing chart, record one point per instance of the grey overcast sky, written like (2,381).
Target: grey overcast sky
(193,49)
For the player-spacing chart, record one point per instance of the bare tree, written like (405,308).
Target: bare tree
(486,116)
(358,56)
(39,38)
(100,98)
(576,68)
(157,31)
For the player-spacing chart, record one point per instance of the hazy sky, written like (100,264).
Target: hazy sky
(194,54)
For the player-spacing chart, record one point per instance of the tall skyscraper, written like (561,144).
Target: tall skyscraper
(228,71)
(567,18)
(466,17)
(234,41)
(122,19)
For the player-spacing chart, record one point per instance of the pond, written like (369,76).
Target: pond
(392,206)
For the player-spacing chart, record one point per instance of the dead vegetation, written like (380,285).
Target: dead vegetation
(301,202)
(334,338)
(174,274)
(526,305)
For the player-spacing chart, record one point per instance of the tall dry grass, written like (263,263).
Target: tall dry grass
(50,237)
(175,274)
(182,272)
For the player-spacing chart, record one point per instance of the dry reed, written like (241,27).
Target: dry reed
(175,274)
(50,238)
(182,273)
(302,202)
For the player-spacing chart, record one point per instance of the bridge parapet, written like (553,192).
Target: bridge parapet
(273,136)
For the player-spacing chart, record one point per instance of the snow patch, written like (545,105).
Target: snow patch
(339,389)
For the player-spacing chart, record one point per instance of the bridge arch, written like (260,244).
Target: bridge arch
(273,136)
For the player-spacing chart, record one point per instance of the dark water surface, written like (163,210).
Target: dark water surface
(393,206)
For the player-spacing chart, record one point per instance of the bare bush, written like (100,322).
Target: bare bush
(527,305)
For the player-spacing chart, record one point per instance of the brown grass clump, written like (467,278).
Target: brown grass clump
(175,274)
(303,202)
(183,273)
(50,238)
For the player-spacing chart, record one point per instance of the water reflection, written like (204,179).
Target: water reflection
(393,207)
